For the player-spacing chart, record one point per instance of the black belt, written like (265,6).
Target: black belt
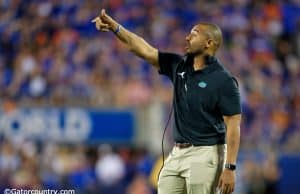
(182,145)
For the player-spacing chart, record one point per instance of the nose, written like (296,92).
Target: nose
(187,38)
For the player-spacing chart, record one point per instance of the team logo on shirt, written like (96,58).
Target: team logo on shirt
(181,74)
(202,84)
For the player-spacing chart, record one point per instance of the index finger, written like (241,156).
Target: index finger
(95,19)
(102,12)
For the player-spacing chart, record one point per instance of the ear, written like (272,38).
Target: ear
(209,43)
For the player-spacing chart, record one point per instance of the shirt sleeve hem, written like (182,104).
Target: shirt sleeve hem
(232,113)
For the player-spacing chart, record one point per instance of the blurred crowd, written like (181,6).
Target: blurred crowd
(51,54)
(86,169)
(106,169)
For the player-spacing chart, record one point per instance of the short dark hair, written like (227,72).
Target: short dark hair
(214,32)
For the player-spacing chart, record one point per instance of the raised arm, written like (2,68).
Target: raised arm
(135,43)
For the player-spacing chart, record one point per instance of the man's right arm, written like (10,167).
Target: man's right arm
(136,44)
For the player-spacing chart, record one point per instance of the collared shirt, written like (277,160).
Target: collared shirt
(201,99)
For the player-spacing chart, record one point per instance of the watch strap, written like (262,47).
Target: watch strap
(230,166)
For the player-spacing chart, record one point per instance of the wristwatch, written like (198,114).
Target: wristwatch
(230,166)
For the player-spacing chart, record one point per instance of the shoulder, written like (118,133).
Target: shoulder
(223,73)
(170,57)
(168,63)
(225,76)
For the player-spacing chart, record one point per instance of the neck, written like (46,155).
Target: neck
(200,61)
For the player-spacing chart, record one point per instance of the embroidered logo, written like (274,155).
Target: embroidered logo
(181,74)
(202,84)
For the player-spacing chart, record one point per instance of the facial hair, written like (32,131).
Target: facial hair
(199,51)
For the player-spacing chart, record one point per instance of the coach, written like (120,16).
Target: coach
(206,109)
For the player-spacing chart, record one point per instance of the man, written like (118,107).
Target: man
(206,109)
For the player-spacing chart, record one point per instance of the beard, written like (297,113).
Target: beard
(196,52)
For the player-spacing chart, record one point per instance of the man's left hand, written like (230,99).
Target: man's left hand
(227,181)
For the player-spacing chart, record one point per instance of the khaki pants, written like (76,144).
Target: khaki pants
(192,170)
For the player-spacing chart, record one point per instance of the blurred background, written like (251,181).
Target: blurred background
(78,111)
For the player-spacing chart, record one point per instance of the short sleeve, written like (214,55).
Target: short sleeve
(229,100)
(168,63)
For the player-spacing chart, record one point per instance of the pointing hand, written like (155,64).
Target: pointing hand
(104,22)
